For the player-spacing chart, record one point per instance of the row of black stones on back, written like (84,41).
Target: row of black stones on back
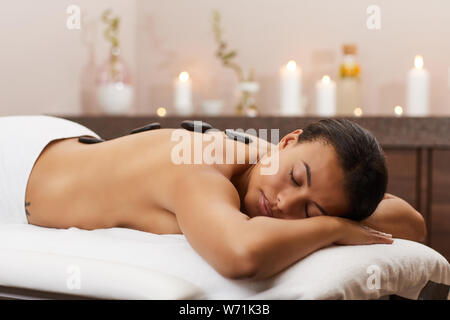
(204,126)
(190,125)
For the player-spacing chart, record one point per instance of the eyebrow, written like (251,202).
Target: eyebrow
(308,182)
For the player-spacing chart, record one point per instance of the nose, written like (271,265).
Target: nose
(290,202)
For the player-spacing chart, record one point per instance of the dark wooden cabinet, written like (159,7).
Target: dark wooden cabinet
(440,203)
(402,166)
(417,152)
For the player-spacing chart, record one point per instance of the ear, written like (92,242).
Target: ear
(289,139)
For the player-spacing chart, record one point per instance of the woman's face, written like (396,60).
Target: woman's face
(308,183)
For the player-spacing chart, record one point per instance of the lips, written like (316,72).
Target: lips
(264,205)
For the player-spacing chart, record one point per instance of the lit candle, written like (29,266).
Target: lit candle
(418,89)
(183,94)
(290,89)
(326,97)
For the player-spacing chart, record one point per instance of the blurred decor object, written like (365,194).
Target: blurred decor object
(161,112)
(183,94)
(114,89)
(247,102)
(349,84)
(247,85)
(326,97)
(357,112)
(87,95)
(291,90)
(212,107)
(398,111)
(417,100)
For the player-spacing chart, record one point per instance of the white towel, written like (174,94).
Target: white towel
(22,139)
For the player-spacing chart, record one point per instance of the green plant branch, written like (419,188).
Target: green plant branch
(112,31)
(225,55)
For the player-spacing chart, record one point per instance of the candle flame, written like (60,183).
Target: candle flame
(358,112)
(161,112)
(291,65)
(184,76)
(326,79)
(398,110)
(418,62)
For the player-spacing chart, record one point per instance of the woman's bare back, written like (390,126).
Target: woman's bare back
(124,182)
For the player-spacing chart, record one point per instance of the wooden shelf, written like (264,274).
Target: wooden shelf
(399,132)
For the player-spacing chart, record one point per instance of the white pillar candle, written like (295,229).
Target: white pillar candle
(183,94)
(418,89)
(326,97)
(290,89)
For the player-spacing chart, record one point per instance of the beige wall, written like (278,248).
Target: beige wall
(176,35)
(40,60)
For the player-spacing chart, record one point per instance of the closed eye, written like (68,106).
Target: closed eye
(296,183)
(292,177)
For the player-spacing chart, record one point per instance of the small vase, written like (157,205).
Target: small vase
(114,88)
(212,107)
(247,103)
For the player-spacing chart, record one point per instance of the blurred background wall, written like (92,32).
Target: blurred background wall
(41,60)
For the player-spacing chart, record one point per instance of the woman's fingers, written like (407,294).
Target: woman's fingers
(377,232)
(383,234)
(361,234)
(383,239)
(378,236)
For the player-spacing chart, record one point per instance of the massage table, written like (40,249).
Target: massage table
(120,263)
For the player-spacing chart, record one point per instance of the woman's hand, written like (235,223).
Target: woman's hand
(354,233)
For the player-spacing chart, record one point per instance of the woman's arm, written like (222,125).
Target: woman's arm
(282,242)
(395,216)
(238,247)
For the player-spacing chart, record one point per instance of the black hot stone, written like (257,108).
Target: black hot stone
(191,125)
(151,126)
(89,140)
(237,136)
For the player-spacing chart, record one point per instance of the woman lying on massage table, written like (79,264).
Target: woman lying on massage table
(329,188)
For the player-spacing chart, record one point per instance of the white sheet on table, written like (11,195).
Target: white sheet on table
(334,272)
